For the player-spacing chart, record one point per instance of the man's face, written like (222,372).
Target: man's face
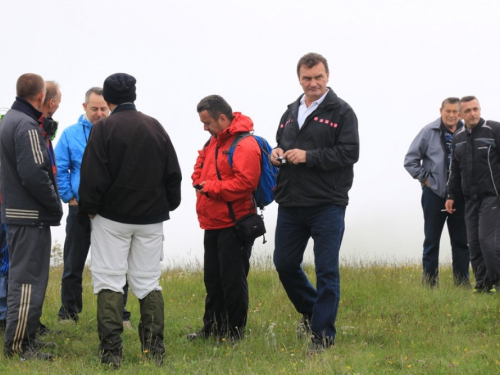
(470,112)
(212,125)
(54,104)
(96,108)
(450,115)
(313,81)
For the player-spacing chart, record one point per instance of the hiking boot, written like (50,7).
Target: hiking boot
(31,353)
(111,358)
(304,328)
(110,326)
(319,345)
(152,325)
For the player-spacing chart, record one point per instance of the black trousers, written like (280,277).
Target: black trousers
(226,266)
(482,217)
(29,251)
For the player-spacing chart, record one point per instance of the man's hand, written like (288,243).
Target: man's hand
(295,156)
(449,206)
(91,216)
(73,202)
(426,183)
(274,156)
(200,191)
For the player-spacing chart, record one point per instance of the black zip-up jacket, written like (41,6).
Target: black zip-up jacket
(475,164)
(330,137)
(130,172)
(28,183)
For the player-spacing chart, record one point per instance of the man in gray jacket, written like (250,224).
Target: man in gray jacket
(428,161)
(30,205)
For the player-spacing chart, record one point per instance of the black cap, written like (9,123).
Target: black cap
(119,88)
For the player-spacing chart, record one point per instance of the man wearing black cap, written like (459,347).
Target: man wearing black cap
(130,181)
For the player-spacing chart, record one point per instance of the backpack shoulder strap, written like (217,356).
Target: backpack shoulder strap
(235,142)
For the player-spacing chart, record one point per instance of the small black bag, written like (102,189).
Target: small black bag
(250,226)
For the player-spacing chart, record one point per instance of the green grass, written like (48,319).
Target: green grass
(387,324)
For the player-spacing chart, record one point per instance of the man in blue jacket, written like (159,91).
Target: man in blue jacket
(428,161)
(69,154)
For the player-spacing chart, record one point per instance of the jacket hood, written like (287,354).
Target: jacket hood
(84,121)
(240,124)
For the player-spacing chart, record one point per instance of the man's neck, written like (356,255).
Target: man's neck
(452,128)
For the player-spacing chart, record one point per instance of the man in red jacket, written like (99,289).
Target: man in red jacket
(223,192)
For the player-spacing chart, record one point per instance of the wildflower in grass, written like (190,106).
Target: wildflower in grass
(408,366)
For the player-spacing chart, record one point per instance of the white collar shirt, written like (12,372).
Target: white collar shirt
(305,111)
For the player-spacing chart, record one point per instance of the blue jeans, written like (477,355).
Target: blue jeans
(325,224)
(434,218)
(76,249)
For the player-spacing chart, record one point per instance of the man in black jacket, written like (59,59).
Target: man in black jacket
(475,172)
(30,205)
(130,181)
(318,144)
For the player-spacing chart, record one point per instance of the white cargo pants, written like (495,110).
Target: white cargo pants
(115,245)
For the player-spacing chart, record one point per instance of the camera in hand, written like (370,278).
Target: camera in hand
(281,159)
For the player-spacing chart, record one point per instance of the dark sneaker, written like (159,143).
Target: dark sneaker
(32,353)
(485,290)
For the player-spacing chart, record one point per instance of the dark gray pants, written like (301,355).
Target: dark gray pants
(29,251)
(482,218)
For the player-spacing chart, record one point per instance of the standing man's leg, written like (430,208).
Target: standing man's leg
(327,230)
(434,220)
(4,275)
(110,248)
(476,256)
(459,248)
(292,235)
(234,260)
(29,251)
(489,237)
(144,271)
(76,248)
(214,300)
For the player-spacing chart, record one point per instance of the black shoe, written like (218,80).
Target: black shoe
(319,345)
(112,359)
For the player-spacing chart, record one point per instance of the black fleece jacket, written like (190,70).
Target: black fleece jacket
(330,137)
(130,172)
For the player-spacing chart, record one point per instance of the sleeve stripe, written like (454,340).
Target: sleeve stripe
(35,146)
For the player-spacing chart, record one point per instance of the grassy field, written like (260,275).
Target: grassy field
(387,324)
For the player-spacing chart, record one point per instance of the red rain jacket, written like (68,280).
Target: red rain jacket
(237,184)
